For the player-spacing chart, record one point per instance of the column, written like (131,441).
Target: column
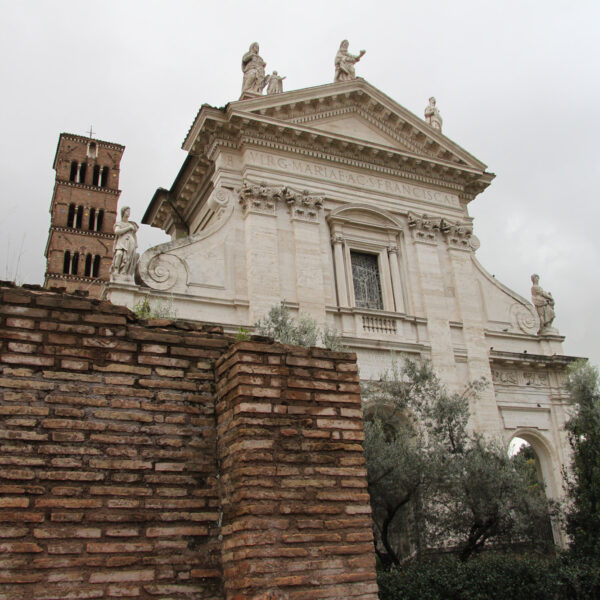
(340,273)
(396,280)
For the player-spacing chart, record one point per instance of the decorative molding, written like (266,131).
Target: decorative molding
(83,186)
(84,232)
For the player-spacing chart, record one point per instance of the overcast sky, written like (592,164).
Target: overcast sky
(517,84)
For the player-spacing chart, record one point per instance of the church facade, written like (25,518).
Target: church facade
(346,206)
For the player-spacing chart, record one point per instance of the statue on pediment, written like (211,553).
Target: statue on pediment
(344,63)
(253,67)
(125,256)
(544,304)
(274,83)
(432,115)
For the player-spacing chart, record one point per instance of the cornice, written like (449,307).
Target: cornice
(84,139)
(63,276)
(82,232)
(83,186)
(524,359)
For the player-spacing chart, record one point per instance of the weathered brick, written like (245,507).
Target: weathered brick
(121,576)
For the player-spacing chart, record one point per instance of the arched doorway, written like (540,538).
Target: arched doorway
(534,446)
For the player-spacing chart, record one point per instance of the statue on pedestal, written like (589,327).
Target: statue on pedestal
(274,83)
(544,304)
(432,115)
(253,67)
(344,63)
(125,256)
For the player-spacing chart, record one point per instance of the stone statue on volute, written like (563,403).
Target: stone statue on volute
(125,256)
(544,304)
(253,67)
(432,115)
(344,63)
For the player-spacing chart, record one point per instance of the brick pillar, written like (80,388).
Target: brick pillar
(296,518)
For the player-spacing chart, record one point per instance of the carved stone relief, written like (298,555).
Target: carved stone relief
(520,378)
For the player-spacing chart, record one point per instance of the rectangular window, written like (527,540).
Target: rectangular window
(367,284)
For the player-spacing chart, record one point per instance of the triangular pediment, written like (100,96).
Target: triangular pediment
(355,126)
(356,110)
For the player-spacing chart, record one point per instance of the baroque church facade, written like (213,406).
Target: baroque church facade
(343,204)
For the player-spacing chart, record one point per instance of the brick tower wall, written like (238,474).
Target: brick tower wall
(90,197)
(116,480)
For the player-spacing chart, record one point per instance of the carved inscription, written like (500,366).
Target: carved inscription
(346,176)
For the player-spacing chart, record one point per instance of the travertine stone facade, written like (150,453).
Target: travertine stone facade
(82,214)
(345,205)
(131,467)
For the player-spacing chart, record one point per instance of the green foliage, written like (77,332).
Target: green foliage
(492,576)
(583,516)
(242,335)
(485,577)
(432,482)
(280,325)
(157,310)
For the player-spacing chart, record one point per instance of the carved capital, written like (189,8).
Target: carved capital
(303,206)
(456,234)
(393,250)
(424,228)
(260,198)
(337,239)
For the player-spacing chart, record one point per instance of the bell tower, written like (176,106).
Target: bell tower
(82,213)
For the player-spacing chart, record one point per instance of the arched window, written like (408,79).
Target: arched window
(96,175)
(75,263)
(92,221)
(73,174)
(71,216)
(82,170)
(88,265)
(79,220)
(67,262)
(92,150)
(96,266)
(104,178)
(99,219)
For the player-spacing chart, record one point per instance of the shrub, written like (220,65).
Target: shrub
(486,577)
(303,331)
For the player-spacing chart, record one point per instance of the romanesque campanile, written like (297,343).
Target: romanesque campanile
(82,214)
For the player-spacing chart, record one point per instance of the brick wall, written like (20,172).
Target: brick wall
(296,514)
(116,482)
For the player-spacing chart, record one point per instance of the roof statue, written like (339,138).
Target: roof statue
(344,63)
(274,83)
(253,67)
(432,115)
(544,304)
